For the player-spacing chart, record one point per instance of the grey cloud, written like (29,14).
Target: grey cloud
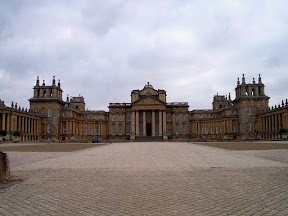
(104,49)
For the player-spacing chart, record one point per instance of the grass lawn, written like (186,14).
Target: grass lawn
(245,145)
(54,147)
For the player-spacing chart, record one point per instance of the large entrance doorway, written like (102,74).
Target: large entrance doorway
(149,129)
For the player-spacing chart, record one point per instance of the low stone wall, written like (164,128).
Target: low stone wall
(3,166)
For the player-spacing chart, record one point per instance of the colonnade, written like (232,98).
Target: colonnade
(145,120)
(216,127)
(28,126)
(270,125)
(73,128)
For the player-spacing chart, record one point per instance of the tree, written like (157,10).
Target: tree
(3,133)
(16,133)
(282,131)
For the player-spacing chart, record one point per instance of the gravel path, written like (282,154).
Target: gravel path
(147,179)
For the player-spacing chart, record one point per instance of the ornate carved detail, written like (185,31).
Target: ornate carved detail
(148,101)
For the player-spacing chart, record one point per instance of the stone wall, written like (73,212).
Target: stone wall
(3,166)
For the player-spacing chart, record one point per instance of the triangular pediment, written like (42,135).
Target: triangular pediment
(148,101)
(148,91)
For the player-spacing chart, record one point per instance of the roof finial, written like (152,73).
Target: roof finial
(259,79)
(37,81)
(243,79)
(148,83)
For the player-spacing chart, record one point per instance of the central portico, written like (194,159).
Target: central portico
(147,114)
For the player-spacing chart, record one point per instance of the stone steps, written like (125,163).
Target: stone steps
(149,139)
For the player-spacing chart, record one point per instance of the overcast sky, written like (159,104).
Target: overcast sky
(103,50)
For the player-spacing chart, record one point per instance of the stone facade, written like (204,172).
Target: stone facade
(50,118)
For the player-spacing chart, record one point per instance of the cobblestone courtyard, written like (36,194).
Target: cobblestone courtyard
(147,179)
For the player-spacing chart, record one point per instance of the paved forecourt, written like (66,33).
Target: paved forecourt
(161,178)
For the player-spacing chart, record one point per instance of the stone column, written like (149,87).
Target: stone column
(133,125)
(100,129)
(137,123)
(276,122)
(3,121)
(32,126)
(144,123)
(28,127)
(8,123)
(164,125)
(160,123)
(12,123)
(153,123)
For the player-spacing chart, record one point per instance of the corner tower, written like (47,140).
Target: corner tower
(47,101)
(250,98)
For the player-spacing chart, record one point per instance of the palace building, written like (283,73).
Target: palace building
(148,116)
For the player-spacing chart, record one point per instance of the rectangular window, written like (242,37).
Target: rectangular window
(157,129)
(169,129)
(91,131)
(177,129)
(220,129)
(183,117)
(201,116)
(248,110)
(64,130)
(249,127)
(201,130)
(86,130)
(141,129)
(113,117)
(49,112)
(233,128)
(169,117)
(216,130)
(156,115)
(127,129)
(89,117)
(177,117)
(97,117)
(49,128)
(113,129)
(120,129)
(183,129)
(128,117)
(148,116)
(120,117)
(206,130)
(36,110)
(96,131)
(81,131)
(212,130)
